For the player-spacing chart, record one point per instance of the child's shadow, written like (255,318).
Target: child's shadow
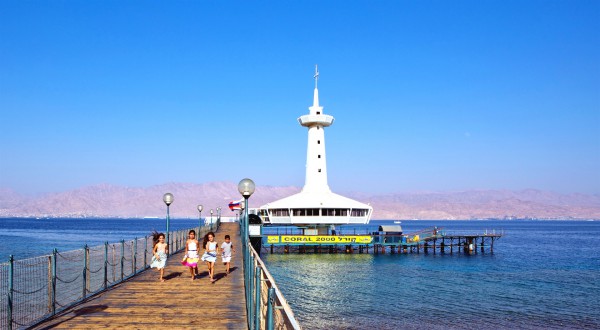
(219,276)
(202,274)
(172,275)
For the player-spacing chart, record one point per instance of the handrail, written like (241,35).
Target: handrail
(286,316)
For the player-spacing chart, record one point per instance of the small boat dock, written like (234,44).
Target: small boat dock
(388,239)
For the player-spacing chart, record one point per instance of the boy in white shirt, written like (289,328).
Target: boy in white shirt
(227,248)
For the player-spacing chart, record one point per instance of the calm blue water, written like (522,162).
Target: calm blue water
(543,274)
(25,238)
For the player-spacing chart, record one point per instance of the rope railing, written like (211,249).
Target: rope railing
(34,289)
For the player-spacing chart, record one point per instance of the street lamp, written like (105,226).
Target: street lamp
(218,214)
(168,199)
(200,208)
(246,188)
(211,213)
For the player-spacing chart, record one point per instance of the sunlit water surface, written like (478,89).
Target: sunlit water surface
(542,274)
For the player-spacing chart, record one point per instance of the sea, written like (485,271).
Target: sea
(30,237)
(541,274)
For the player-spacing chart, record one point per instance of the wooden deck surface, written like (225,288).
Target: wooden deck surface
(178,303)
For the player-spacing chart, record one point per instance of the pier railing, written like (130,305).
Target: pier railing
(34,289)
(265,304)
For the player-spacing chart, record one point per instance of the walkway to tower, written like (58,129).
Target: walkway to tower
(178,303)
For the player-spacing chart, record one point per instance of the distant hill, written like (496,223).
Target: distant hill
(117,201)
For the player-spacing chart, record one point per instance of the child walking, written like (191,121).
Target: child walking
(159,253)
(190,258)
(227,249)
(210,254)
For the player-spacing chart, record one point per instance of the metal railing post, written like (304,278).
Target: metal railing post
(105,265)
(257,289)
(250,289)
(134,255)
(54,252)
(270,299)
(122,257)
(84,272)
(10,291)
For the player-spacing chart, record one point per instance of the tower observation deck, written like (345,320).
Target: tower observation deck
(316,203)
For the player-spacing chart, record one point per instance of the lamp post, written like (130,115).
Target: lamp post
(200,208)
(211,213)
(218,216)
(246,188)
(242,208)
(168,199)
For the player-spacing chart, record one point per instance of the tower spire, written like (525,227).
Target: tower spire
(316,75)
(316,92)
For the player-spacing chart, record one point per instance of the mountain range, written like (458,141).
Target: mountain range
(106,200)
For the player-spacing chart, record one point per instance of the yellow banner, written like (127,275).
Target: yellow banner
(290,239)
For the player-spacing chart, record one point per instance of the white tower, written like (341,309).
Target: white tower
(316,204)
(316,160)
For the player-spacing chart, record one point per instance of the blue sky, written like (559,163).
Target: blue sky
(427,95)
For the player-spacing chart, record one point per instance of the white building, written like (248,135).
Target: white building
(316,204)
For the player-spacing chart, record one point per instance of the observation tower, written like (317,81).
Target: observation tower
(316,204)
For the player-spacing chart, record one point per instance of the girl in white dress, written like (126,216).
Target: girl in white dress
(211,248)
(160,251)
(191,254)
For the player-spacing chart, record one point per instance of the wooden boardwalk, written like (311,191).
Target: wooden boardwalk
(143,302)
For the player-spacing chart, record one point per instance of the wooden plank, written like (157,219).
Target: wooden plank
(177,303)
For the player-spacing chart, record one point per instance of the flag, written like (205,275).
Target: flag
(235,205)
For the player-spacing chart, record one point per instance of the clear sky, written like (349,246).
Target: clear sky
(427,95)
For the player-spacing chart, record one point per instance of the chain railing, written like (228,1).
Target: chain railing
(34,289)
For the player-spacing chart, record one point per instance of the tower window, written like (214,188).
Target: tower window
(319,156)
(318,112)
(318,141)
(319,170)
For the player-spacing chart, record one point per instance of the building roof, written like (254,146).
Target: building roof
(391,228)
(316,200)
